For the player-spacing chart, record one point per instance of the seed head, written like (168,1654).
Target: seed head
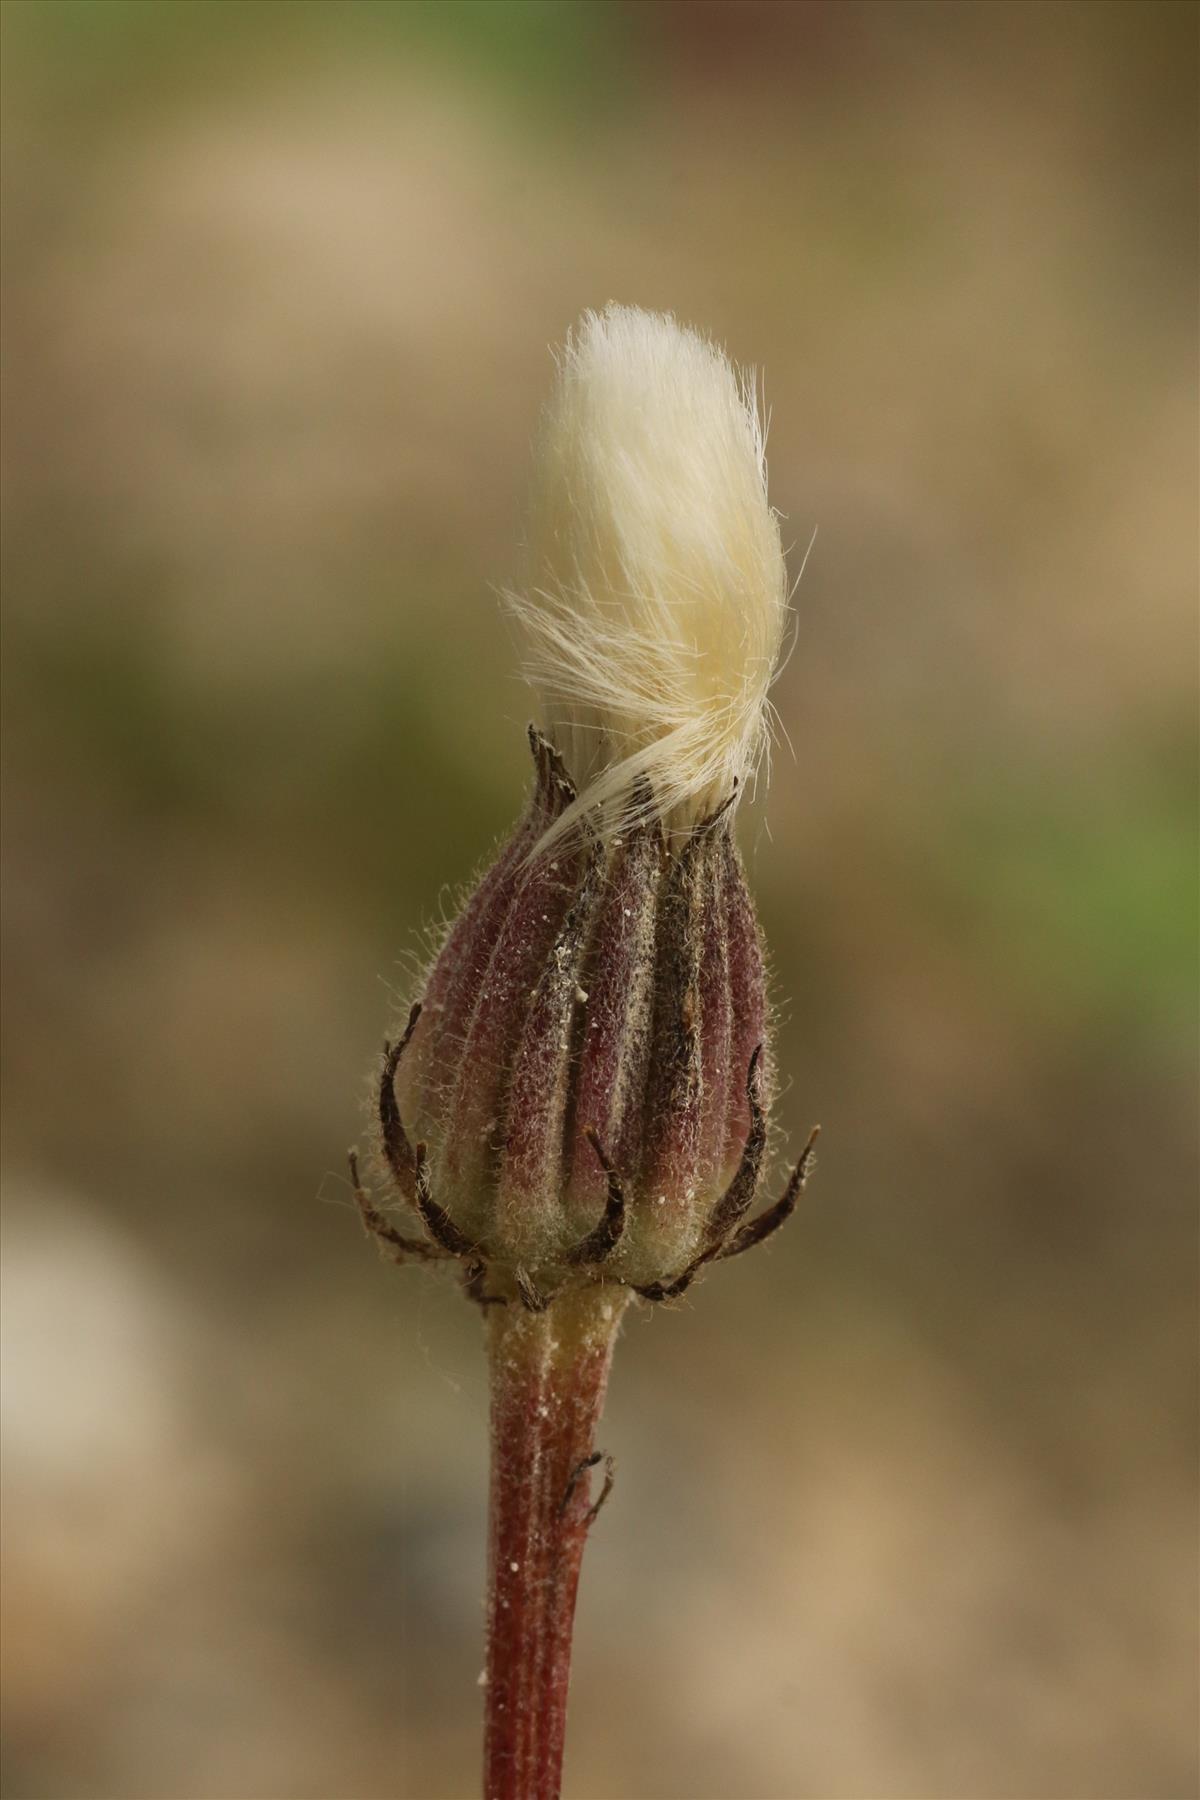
(589,1072)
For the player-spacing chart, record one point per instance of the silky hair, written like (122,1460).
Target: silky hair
(655,594)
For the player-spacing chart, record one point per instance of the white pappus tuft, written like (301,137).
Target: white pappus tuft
(655,593)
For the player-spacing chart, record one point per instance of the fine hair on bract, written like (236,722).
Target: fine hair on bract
(654,595)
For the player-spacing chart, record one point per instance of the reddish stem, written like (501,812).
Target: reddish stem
(549,1371)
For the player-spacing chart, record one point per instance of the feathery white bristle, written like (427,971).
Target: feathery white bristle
(655,594)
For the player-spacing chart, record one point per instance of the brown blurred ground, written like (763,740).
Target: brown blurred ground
(906,1505)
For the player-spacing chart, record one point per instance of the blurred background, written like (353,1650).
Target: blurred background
(906,1503)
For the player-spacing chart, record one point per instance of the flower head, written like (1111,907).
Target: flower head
(589,1070)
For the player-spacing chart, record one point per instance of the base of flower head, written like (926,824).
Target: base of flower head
(492,1282)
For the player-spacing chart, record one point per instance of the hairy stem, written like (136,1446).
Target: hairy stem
(549,1371)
